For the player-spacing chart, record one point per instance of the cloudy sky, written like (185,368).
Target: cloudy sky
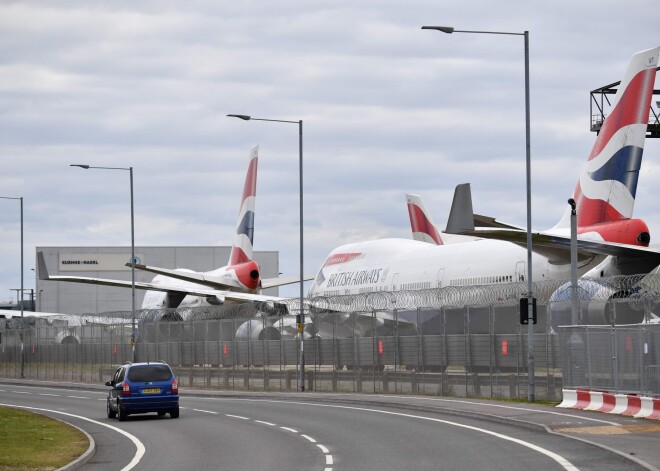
(387,109)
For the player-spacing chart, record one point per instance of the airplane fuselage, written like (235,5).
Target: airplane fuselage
(401,264)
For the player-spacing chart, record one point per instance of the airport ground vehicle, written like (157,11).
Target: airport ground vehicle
(137,388)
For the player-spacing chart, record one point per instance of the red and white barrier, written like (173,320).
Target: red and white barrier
(600,401)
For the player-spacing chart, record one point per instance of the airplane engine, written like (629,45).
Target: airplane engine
(256,329)
(597,304)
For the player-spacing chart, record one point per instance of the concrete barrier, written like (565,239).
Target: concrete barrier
(602,401)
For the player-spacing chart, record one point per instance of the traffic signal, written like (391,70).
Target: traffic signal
(524,310)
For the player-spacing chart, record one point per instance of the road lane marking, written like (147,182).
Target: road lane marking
(206,411)
(21,392)
(265,423)
(45,394)
(138,444)
(328,458)
(78,397)
(563,462)
(525,409)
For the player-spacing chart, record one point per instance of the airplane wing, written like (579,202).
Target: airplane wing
(284,280)
(213,282)
(192,277)
(557,248)
(224,295)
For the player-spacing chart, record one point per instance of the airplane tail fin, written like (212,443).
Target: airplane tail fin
(421,223)
(241,250)
(605,192)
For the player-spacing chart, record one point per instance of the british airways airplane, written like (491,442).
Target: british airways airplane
(237,282)
(610,241)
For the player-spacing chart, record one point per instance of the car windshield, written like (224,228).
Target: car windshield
(149,373)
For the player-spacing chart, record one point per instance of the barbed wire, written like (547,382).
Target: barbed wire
(642,292)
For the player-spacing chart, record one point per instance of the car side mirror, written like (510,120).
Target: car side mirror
(108,383)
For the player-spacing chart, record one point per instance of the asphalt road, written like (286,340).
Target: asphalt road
(308,432)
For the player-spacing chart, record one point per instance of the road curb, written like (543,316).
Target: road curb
(85,457)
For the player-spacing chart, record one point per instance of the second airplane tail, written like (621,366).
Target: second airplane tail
(420,221)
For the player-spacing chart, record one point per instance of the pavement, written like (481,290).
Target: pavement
(636,439)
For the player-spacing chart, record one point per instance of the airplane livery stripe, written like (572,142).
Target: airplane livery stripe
(622,167)
(594,211)
(632,108)
(420,223)
(250,188)
(238,256)
(246,226)
(612,192)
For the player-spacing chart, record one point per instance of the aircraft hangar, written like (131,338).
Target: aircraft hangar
(110,262)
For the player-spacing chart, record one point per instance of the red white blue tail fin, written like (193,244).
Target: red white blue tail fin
(241,250)
(421,223)
(605,193)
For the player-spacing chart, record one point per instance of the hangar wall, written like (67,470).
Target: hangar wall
(108,262)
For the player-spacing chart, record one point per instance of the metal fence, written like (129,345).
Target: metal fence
(463,341)
(621,359)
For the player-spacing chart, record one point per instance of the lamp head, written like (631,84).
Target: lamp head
(571,201)
(241,116)
(444,29)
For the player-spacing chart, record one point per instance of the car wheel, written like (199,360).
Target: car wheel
(174,413)
(122,413)
(111,413)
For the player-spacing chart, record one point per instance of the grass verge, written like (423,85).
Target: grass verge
(30,441)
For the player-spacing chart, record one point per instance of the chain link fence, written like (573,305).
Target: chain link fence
(464,341)
(621,359)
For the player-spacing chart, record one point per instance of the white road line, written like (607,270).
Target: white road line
(525,409)
(206,411)
(308,438)
(563,462)
(328,458)
(138,444)
(78,397)
(21,392)
(45,394)
(265,423)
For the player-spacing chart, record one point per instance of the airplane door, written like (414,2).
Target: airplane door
(520,271)
(441,276)
(395,282)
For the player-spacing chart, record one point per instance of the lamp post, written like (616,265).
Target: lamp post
(130,170)
(300,318)
(574,283)
(530,297)
(21,300)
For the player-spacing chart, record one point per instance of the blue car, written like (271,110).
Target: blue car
(137,388)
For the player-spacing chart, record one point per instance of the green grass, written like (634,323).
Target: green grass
(31,441)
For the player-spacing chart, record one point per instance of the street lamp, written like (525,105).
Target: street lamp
(300,318)
(530,297)
(130,169)
(21,303)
